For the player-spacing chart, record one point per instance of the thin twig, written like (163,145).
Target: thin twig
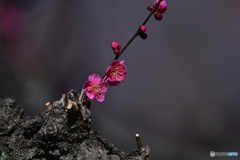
(126,45)
(137,33)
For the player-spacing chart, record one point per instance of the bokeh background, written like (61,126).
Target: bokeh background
(182,89)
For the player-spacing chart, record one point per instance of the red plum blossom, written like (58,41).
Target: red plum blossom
(94,87)
(115,72)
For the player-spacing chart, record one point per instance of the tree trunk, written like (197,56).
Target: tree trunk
(62,132)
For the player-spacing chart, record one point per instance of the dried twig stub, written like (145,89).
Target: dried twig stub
(56,134)
(139,143)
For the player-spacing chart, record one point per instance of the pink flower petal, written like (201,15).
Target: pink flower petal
(103,86)
(90,94)
(100,97)
(113,83)
(107,70)
(94,77)
(114,62)
(121,62)
(87,85)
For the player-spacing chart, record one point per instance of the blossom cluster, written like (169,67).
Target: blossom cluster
(161,8)
(96,86)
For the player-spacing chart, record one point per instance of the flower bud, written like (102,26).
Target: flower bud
(116,52)
(142,28)
(149,7)
(158,16)
(143,35)
(162,7)
(154,4)
(115,45)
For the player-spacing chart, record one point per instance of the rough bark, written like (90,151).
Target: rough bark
(62,132)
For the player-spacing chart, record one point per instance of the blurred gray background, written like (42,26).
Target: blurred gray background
(182,89)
